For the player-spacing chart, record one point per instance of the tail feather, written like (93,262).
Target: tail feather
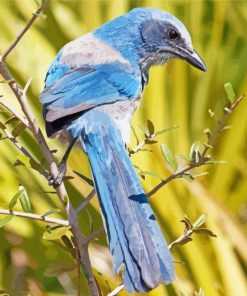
(134,236)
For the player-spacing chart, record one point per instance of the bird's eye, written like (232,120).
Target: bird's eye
(172,34)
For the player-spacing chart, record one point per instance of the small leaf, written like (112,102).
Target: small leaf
(170,158)
(11,119)
(208,132)
(2,126)
(187,223)
(200,175)
(214,161)
(15,198)
(230,92)
(202,219)
(55,233)
(167,130)
(204,231)
(5,220)
(227,127)
(152,174)
(50,212)
(67,242)
(185,240)
(19,128)
(150,127)
(24,200)
(89,181)
(188,177)
(148,141)
(194,155)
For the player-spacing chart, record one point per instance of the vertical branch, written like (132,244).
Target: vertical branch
(79,239)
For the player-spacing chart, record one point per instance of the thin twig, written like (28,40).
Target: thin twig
(35,217)
(203,159)
(98,232)
(80,240)
(25,29)
(83,204)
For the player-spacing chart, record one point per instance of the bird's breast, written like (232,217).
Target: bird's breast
(121,112)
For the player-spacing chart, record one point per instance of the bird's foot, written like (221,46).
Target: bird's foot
(56,182)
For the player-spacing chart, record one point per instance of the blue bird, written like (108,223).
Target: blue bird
(92,90)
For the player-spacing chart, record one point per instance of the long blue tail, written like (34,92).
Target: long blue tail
(134,236)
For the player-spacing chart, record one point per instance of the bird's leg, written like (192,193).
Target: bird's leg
(62,167)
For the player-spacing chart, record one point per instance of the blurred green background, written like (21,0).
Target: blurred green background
(177,94)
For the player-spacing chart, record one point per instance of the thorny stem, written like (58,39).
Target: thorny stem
(25,29)
(203,159)
(80,240)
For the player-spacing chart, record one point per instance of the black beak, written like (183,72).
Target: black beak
(192,57)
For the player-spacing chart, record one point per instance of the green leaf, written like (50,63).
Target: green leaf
(152,174)
(167,130)
(55,233)
(5,220)
(89,181)
(188,177)
(24,200)
(19,128)
(50,212)
(150,127)
(205,231)
(2,126)
(187,223)
(208,132)
(148,141)
(214,161)
(170,158)
(202,219)
(230,92)
(67,242)
(194,155)
(200,175)
(15,198)
(11,119)
(185,240)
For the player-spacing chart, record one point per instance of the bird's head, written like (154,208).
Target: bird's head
(150,36)
(165,37)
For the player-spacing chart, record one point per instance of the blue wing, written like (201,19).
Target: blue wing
(85,87)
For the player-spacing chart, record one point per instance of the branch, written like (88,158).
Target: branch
(34,216)
(203,158)
(20,94)
(98,232)
(25,29)
(83,204)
